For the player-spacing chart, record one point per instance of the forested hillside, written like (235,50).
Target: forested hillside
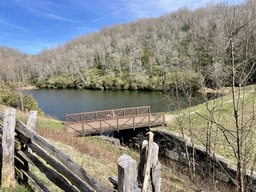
(184,49)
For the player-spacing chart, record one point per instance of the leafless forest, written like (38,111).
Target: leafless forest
(186,48)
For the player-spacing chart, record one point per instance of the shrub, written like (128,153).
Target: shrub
(140,81)
(109,81)
(156,83)
(12,99)
(182,80)
(94,78)
(39,82)
(29,102)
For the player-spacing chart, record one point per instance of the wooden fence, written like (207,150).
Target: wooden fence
(23,148)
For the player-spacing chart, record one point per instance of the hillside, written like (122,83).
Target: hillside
(182,50)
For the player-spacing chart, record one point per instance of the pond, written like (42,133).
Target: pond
(58,103)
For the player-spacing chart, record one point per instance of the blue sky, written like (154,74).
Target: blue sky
(34,25)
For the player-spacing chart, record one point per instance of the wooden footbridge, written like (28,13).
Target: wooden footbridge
(97,122)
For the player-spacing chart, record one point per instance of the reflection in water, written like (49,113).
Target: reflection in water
(58,103)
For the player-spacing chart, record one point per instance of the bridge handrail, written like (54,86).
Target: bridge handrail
(79,117)
(150,119)
(113,118)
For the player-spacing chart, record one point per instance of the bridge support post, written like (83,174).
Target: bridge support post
(100,127)
(83,128)
(149,121)
(8,170)
(133,121)
(117,125)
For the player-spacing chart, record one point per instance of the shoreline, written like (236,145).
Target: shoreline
(29,87)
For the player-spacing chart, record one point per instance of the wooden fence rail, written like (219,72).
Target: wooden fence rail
(55,165)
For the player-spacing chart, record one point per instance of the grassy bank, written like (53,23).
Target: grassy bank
(213,124)
(97,156)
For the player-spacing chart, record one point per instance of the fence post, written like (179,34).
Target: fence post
(149,173)
(127,178)
(149,170)
(8,171)
(31,124)
(146,182)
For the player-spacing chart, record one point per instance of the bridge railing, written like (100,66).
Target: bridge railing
(106,114)
(116,123)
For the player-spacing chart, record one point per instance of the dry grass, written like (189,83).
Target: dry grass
(99,158)
(221,110)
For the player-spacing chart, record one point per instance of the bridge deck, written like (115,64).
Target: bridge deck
(112,120)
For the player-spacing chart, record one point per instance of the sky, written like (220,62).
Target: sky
(32,26)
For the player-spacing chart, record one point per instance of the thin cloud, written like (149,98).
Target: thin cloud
(58,17)
(155,8)
(53,16)
(39,5)
(3,22)
(44,9)
(101,18)
(116,12)
(108,15)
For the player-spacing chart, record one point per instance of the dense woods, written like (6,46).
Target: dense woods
(185,49)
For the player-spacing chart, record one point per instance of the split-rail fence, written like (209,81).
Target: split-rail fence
(22,148)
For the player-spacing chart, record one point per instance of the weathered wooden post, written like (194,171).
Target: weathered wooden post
(8,171)
(149,170)
(149,173)
(145,186)
(31,124)
(127,176)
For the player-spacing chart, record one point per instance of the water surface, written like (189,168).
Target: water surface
(58,103)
